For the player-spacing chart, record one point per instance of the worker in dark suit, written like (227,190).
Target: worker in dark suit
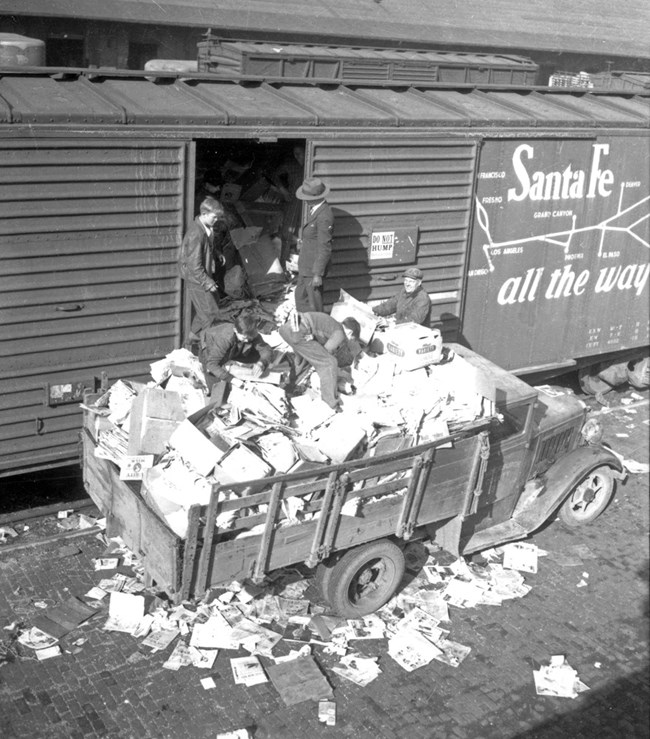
(202,262)
(315,245)
(229,349)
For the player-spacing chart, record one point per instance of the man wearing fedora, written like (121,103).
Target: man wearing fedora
(315,245)
(410,304)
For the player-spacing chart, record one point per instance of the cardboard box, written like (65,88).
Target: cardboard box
(155,413)
(413,346)
(195,448)
(278,450)
(260,255)
(211,425)
(347,306)
(340,439)
(309,452)
(242,464)
(192,397)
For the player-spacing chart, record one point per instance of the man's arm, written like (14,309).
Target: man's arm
(336,338)
(264,350)
(387,308)
(217,348)
(319,326)
(215,369)
(420,308)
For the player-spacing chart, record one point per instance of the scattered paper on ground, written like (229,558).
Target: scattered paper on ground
(299,680)
(414,627)
(358,669)
(558,679)
(125,611)
(36,639)
(247,671)
(412,650)
(520,556)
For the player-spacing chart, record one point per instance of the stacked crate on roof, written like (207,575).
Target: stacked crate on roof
(621,80)
(357,63)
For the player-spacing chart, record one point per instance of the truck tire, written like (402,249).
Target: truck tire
(363,579)
(589,498)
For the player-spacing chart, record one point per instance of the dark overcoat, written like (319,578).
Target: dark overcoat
(316,247)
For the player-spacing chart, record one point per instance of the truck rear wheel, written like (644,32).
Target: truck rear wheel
(589,498)
(363,579)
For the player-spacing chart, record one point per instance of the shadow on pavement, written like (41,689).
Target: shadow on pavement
(41,488)
(619,710)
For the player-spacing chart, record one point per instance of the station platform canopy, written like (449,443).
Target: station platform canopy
(597,27)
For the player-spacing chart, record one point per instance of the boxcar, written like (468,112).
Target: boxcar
(526,209)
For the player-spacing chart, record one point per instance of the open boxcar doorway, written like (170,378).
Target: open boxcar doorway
(256,182)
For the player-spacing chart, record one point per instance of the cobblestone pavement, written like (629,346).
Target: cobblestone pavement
(108,687)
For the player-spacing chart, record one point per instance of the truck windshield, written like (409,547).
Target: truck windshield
(513,421)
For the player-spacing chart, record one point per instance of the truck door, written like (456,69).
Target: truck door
(398,202)
(506,468)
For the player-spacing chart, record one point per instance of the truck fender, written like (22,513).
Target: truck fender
(554,486)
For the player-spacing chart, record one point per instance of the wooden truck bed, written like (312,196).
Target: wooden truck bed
(398,492)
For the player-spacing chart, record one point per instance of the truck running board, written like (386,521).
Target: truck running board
(493,536)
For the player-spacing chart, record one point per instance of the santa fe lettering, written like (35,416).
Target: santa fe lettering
(567,184)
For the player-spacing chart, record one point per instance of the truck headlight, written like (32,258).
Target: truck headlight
(592,431)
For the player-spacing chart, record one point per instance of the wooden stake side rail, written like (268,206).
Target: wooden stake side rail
(435,480)
(314,505)
(303,483)
(396,492)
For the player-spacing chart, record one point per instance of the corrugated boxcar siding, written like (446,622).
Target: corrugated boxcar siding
(392,185)
(88,242)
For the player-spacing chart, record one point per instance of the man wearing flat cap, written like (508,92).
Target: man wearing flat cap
(410,304)
(315,245)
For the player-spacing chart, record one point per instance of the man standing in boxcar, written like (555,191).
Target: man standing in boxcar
(315,245)
(201,263)
(286,178)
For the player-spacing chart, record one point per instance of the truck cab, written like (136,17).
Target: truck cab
(541,447)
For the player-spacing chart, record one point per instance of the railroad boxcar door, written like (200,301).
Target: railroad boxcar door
(89,233)
(398,202)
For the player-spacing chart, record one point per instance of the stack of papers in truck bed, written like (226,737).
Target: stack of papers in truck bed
(262,431)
